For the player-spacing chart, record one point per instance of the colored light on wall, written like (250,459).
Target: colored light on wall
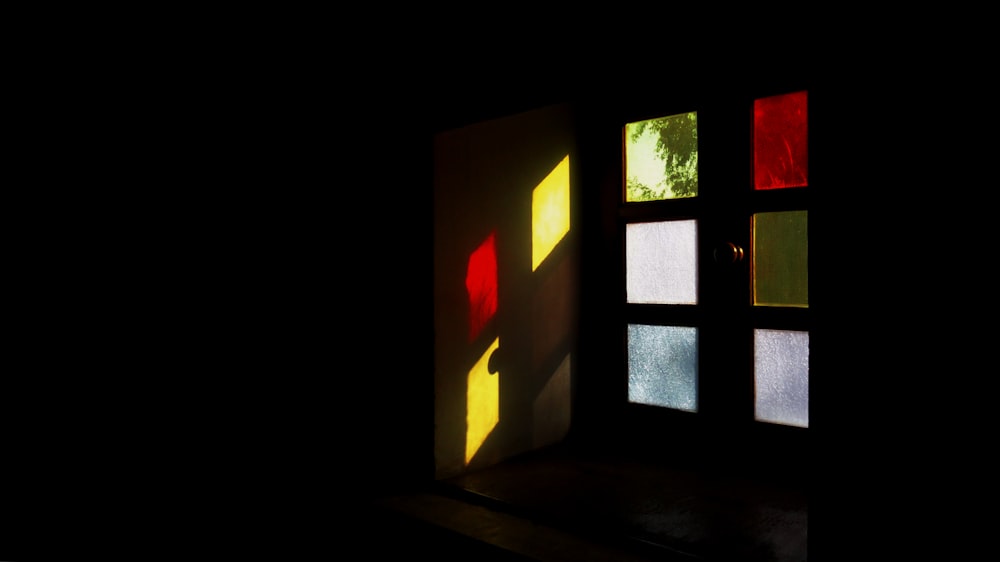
(481,285)
(549,212)
(780,141)
(482,403)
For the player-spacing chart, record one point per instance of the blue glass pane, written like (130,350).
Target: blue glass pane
(663,366)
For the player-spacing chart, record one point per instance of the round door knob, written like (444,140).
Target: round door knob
(727,252)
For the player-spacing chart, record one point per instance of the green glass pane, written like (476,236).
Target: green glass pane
(661,158)
(780,259)
(663,366)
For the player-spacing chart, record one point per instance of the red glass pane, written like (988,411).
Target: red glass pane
(780,141)
(481,284)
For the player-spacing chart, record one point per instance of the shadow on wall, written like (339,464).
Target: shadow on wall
(505,288)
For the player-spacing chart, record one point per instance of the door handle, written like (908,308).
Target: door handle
(727,253)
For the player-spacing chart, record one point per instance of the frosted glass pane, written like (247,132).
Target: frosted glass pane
(781,259)
(661,262)
(663,366)
(781,377)
(661,158)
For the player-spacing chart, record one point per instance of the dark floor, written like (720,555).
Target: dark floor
(565,503)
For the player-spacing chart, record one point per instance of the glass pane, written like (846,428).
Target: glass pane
(781,377)
(661,262)
(661,158)
(780,141)
(663,366)
(780,250)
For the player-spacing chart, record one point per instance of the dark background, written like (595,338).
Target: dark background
(221,331)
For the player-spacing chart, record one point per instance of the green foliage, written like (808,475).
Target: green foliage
(677,146)
(638,191)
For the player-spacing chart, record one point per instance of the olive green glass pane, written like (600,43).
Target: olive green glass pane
(780,259)
(661,158)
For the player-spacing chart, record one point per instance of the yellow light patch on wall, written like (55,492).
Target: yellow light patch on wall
(482,403)
(549,212)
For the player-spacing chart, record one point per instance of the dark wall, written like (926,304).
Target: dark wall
(222,301)
(222,313)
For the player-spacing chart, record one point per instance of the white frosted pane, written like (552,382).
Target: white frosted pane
(781,376)
(661,262)
(663,366)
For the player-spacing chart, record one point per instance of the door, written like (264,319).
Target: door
(713,289)
(506,282)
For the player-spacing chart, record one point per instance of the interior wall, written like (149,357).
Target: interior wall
(485,178)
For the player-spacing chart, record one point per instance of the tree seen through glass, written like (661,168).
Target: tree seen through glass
(661,158)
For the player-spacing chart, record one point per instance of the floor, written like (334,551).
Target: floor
(564,503)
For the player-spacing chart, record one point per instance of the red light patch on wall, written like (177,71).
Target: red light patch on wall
(481,284)
(780,141)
